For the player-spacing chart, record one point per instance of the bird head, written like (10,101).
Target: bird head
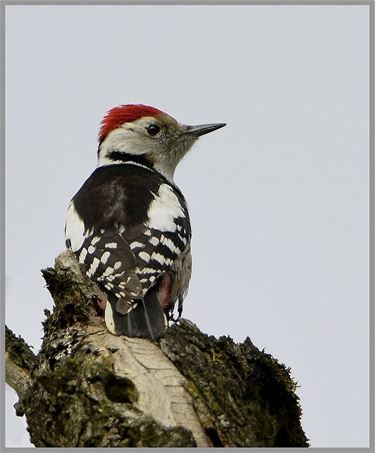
(148,136)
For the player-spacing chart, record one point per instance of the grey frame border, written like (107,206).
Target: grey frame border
(371,4)
(186,2)
(2,223)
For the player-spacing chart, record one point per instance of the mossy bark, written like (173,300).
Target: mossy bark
(88,388)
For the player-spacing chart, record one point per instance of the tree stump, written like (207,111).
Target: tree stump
(88,388)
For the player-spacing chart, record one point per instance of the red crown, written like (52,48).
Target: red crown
(124,114)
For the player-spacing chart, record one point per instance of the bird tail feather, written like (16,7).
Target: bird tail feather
(146,319)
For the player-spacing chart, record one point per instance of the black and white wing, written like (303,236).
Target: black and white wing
(127,258)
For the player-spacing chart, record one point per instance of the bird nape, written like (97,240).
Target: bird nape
(129,223)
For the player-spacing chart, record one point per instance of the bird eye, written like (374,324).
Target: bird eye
(153,129)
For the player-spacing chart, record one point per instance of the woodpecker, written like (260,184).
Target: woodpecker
(129,222)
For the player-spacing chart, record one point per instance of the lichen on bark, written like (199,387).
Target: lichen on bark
(88,388)
(249,397)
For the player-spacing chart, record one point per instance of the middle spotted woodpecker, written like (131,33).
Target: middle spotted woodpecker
(129,223)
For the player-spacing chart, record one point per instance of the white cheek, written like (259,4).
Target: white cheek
(130,138)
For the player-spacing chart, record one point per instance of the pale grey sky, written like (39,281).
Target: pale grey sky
(278,198)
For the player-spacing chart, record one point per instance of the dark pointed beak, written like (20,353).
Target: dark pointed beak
(202,129)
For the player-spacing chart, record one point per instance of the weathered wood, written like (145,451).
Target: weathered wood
(88,388)
(20,363)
